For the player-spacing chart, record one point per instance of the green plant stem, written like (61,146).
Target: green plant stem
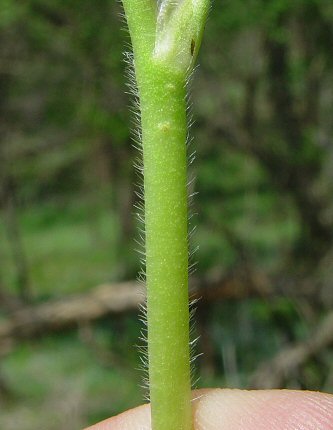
(164,51)
(164,154)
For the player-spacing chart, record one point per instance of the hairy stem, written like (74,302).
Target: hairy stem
(164,154)
(165,42)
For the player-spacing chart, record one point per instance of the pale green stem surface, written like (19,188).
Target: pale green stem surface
(164,154)
(161,80)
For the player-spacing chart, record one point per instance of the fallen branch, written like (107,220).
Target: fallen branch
(57,315)
(75,311)
(275,372)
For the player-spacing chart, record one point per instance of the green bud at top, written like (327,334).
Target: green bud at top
(179,31)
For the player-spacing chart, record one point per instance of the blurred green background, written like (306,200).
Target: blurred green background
(263,136)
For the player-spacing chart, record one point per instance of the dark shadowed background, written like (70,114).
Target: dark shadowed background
(263,136)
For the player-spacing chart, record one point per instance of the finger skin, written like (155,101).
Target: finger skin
(218,409)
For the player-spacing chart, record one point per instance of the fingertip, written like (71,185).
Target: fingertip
(217,409)
(133,419)
(262,410)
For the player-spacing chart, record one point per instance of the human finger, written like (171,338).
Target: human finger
(218,409)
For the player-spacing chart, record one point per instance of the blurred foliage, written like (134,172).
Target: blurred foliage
(263,104)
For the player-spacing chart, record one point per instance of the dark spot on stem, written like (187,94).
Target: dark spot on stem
(192,46)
